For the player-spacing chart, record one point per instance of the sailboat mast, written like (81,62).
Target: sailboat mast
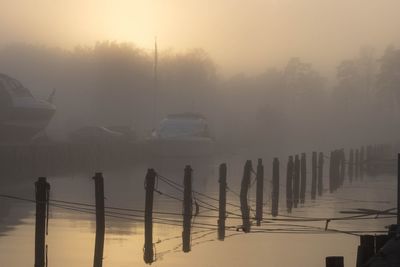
(155,85)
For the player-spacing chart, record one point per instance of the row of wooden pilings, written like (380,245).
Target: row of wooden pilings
(296,184)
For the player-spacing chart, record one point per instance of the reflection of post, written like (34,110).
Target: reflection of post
(244,207)
(331,170)
(148,217)
(275,187)
(100,220)
(320,173)
(42,189)
(289,185)
(314,175)
(362,162)
(187,208)
(222,202)
(303,174)
(259,192)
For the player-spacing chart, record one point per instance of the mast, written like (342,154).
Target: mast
(155,83)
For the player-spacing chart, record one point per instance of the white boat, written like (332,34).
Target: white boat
(21,115)
(182,135)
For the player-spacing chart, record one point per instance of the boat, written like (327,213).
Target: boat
(182,135)
(22,116)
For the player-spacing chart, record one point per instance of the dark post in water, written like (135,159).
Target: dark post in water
(222,202)
(148,217)
(275,187)
(259,192)
(187,208)
(100,220)
(244,207)
(42,195)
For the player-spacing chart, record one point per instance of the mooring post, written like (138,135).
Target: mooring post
(351,165)
(314,175)
(187,208)
(320,173)
(296,184)
(342,166)
(100,220)
(366,249)
(42,197)
(148,217)
(289,184)
(303,179)
(334,261)
(357,164)
(275,187)
(222,201)
(362,162)
(398,189)
(244,207)
(331,170)
(259,192)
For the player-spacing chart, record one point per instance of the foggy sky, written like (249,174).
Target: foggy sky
(241,36)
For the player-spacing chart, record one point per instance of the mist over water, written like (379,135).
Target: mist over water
(119,87)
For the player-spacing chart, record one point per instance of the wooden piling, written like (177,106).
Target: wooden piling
(366,249)
(296,184)
(289,184)
(42,194)
(303,179)
(259,192)
(351,165)
(148,217)
(244,207)
(331,171)
(100,220)
(275,187)
(314,175)
(187,209)
(320,173)
(342,166)
(398,189)
(357,164)
(362,162)
(222,201)
(334,261)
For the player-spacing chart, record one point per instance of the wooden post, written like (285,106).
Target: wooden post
(314,175)
(42,196)
(398,189)
(275,187)
(259,192)
(320,173)
(351,166)
(187,209)
(222,202)
(148,217)
(334,261)
(244,207)
(331,171)
(303,183)
(357,164)
(366,249)
(289,184)
(362,162)
(100,220)
(342,166)
(296,184)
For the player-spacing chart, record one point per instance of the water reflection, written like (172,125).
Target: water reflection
(71,233)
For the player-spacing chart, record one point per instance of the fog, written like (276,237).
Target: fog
(264,73)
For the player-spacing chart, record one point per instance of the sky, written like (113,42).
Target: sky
(241,36)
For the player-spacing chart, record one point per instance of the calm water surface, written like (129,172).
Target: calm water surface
(71,233)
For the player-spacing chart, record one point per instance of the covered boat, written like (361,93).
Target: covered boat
(21,115)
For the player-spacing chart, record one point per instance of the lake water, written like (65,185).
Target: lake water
(280,243)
